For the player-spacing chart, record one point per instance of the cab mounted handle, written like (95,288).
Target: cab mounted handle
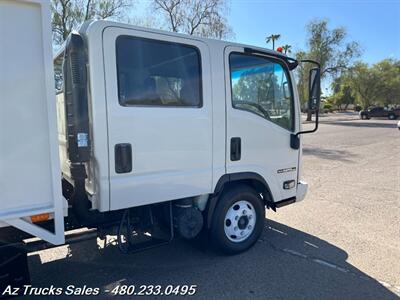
(123,158)
(236,148)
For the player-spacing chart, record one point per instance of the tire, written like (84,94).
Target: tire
(363,116)
(392,117)
(239,210)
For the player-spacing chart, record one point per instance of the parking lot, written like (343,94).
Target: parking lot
(342,242)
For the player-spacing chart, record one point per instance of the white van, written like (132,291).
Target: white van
(159,134)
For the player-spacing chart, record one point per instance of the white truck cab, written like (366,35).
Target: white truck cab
(152,117)
(161,134)
(186,111)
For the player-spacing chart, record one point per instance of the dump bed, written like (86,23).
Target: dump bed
(30,182)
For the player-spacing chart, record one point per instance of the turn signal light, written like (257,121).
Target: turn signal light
(40,218)
(287,185)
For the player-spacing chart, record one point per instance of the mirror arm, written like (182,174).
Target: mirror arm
(316,125)
(294,138)
(311,61)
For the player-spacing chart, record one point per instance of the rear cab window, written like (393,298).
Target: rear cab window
(158,73)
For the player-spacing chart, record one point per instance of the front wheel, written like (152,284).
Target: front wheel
(392,117)
(238,220)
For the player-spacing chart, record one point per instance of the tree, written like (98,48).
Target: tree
(287,48)
(195,17)
(272,38)
(388,72)
(343,93)
(365,82)
(378,84)
(330,48)
(67,15)
(302,71)
(366,85)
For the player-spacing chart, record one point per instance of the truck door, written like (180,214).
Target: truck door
(159,117)
(261,116)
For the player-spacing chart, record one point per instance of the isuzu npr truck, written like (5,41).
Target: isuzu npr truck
(149,135)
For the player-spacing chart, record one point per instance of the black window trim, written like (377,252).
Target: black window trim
(285,68)
(134,37)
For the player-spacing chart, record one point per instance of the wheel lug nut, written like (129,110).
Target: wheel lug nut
(244,212)
(249,227)
(250,217)
(235,228)
(237,218)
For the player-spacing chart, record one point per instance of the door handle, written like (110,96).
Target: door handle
(236,148)
(123,158)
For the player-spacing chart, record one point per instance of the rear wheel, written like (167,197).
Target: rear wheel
(238,220)
(392,117)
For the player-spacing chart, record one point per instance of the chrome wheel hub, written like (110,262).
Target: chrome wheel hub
(240,220)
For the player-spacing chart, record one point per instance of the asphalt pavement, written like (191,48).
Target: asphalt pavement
(341,242)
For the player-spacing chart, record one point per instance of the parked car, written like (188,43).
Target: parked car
(380,112)
(398,125)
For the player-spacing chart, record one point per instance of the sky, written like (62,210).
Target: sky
(374,24)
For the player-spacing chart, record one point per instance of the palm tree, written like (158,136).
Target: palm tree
(287,48)
(272,38)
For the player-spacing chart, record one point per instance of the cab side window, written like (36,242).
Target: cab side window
(157,73)
(261,85)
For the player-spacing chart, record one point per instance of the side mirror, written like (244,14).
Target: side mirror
(314,89)
(314,92)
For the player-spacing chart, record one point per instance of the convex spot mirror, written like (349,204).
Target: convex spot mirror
(286,91)
(314,89)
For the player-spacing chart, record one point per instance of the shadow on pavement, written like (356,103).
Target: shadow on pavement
(285,264)
(360,123)
(332,154)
